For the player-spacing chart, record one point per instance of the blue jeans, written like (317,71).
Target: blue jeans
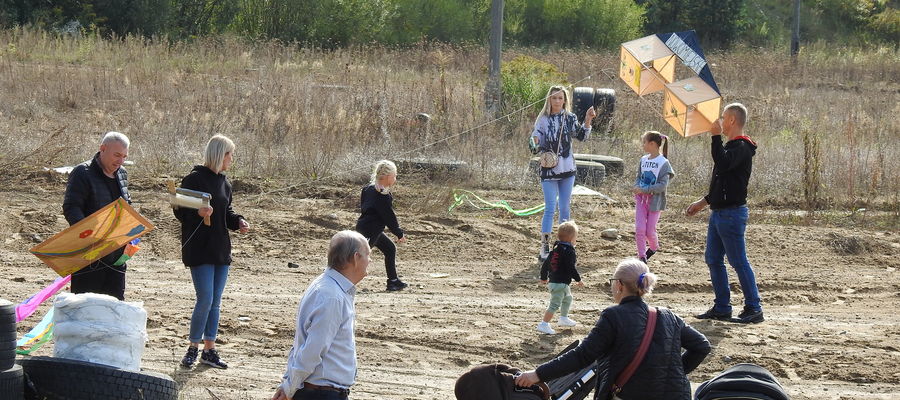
(725,237)
(553,190)
(209,283)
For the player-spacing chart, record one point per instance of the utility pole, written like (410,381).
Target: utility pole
(795,35)
(492,91)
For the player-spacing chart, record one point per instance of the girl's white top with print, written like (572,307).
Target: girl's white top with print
(650,169)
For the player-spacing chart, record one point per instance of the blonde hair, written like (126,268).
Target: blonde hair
(216,149)
(567,231)
(635,276)
(383,168)
(567,105)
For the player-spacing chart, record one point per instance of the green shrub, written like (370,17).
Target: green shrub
(525,80)
(595,23)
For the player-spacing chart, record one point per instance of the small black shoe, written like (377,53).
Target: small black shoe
(190,357)
(750,316)
(211,357)
(713,314)
(650,253)
(394,285)
(643,260)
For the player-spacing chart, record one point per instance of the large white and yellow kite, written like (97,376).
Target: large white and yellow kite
(648,65)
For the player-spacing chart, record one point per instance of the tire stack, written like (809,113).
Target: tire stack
(12,380)
(64,379)
(587,173)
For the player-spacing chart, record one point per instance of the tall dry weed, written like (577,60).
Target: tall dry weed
(301,113)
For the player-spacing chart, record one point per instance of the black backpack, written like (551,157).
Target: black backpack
(742,382)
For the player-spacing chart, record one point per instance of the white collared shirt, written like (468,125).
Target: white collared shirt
(324,351)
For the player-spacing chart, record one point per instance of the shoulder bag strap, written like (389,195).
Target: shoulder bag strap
(559,137)
(625,375)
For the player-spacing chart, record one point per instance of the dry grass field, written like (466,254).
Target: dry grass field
(823,234)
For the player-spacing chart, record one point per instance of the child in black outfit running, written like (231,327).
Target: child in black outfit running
(376,205)
(560,266)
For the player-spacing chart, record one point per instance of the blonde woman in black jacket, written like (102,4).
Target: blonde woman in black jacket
(615,338)
(206,250)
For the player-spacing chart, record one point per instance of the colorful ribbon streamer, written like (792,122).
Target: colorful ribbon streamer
(461,196)
(37,336)
(28,307)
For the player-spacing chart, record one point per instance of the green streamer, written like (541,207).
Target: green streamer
(461,197)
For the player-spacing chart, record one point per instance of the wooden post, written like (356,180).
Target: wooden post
(795,35)
(492,91)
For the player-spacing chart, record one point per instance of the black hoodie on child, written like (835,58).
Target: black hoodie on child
(560,264)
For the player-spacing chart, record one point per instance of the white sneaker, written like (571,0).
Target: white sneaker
(545,328)
(566,321)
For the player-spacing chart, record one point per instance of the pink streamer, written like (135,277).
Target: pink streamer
(27,307)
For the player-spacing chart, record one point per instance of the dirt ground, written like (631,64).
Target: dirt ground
(830,294)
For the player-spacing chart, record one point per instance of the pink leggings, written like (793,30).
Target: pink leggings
(645,225)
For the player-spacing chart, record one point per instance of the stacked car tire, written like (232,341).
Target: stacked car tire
(12,378)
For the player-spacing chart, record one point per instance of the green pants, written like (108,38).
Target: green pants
(560,298)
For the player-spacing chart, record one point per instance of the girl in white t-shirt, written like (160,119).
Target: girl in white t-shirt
(653,175)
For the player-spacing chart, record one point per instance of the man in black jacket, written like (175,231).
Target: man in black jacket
(727,200)
(92,185)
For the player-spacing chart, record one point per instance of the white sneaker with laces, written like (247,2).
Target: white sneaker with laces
(566,321)
(545,328)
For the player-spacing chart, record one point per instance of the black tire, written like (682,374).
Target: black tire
(12,383)
(7,307)
(7,319)
(433,169)
(603,101)
(614,165)
(582,99)
(587,173)
(7,334)
(60,378)
(7,354)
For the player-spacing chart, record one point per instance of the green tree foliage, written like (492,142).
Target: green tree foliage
(717,22)
(329,23)
(526,80)
(595,23)
(411,21)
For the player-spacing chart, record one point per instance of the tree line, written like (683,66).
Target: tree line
(567,23)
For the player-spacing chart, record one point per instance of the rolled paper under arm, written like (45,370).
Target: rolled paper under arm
(181,200)
(191,199)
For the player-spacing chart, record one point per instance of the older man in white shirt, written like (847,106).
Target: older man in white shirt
(322,362)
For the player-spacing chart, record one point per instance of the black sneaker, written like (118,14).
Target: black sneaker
(649,253)
(211,357)
(394,285)
(750,316)
(713,314)
(190,357)
(643,260)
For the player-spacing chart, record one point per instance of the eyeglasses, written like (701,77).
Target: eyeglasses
(613,279)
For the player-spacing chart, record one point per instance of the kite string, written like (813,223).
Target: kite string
(646,102)
(483,124)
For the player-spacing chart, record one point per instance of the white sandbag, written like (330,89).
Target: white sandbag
(100,329)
